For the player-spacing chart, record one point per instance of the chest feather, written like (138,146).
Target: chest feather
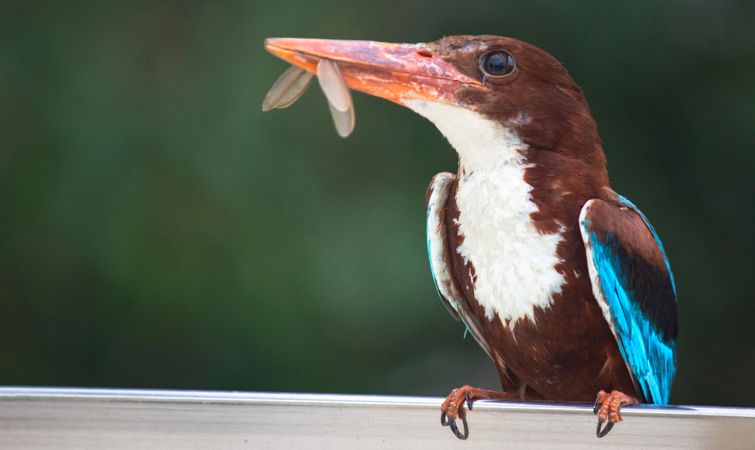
(514,264)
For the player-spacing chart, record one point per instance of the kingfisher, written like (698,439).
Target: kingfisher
(563,282)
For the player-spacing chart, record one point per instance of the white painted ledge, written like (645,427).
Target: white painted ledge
(51,418)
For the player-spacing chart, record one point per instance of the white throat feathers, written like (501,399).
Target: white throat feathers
(514,263)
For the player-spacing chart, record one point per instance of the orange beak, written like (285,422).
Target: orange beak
(396,72)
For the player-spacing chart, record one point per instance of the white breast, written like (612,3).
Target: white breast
(514,263)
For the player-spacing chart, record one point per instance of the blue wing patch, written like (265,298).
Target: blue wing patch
(633,281)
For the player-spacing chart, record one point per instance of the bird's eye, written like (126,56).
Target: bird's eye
(497,63)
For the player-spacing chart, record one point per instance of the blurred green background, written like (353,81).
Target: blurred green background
(159,231)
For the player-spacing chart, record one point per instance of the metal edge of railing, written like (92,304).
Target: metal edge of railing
(237,397)
(50,418)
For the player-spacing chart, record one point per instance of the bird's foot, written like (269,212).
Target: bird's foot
(608,409)
(453,407)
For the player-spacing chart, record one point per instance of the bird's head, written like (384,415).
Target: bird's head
(484,93)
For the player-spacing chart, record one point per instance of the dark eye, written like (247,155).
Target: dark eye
(497,63)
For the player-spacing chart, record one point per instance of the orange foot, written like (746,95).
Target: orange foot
(453,407)
(608,408)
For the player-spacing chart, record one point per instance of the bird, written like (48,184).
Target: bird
(563,282)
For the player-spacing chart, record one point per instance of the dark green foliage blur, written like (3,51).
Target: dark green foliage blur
(158,230)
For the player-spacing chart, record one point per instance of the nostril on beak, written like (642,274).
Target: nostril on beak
(424,53)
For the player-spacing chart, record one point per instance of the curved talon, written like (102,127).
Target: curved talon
(605,431)
(455,429)
(608,408)
(453,407)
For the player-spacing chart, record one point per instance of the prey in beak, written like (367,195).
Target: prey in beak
(395,72)
(294,81)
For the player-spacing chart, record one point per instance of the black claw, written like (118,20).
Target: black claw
(605,431)
(469,401)
(596,405)
(443,419)
(455,429)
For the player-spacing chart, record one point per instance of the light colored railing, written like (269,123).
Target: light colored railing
(50,418)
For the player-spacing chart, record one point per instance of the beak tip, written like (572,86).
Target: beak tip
(269,42)
(276,43)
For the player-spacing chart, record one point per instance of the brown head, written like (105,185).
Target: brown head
(457,79)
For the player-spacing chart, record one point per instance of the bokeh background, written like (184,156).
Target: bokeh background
(158,231)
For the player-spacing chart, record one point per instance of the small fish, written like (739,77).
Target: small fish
(294,81)
(287,89)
